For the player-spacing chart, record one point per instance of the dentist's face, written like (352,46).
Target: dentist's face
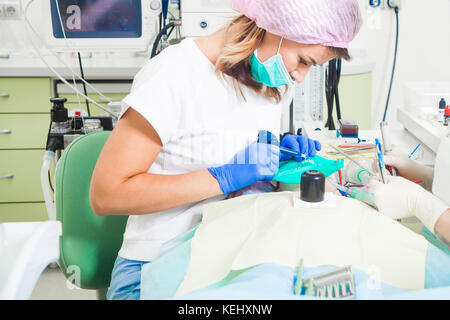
(297,57)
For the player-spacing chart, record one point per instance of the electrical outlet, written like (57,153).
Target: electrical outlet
(394,3)
(10,10)
(385,4)
(378,4)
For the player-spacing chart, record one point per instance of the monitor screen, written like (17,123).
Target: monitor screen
(96,18)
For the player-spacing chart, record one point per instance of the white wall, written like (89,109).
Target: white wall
(13,33)
(424,49)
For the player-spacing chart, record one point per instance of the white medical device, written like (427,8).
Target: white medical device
(309,96)
(101,25)
(203,17)
(308,102)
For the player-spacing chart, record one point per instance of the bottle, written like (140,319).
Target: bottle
(60,118)
(92,125)
(442,105)
(447,116)
(355,175)
(312,187)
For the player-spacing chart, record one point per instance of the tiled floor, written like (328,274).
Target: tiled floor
(52,285)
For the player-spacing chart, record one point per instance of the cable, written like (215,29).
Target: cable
(84,85)
(165,10)
(158,38)
(396,9)
(50,182)
(336,89)
(38,36)
(332,78)
(67,45)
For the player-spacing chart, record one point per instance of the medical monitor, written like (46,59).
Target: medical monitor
(101,25)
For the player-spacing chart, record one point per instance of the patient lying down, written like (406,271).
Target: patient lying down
(266,228)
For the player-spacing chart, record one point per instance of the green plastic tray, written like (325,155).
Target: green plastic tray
(291,171)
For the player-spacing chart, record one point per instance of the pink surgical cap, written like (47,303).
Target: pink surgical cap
(332,23)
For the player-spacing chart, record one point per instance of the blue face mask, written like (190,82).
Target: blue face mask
(271,73)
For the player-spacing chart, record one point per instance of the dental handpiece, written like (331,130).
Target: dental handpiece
(292,152)
(357,194)
(366,197)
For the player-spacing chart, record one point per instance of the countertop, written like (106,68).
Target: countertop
(101,66)
(110,65)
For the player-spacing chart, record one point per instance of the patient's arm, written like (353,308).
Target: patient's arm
(120,182)
(442,226)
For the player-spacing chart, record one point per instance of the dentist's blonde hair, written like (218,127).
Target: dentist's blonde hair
(243,37)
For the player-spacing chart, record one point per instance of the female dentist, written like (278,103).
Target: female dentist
(188,129)
(401,198)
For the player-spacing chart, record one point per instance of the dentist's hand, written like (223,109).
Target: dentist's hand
(257,162)
(401,198)
(305,146)
(410,169)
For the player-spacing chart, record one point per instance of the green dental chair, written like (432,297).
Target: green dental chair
(89,244)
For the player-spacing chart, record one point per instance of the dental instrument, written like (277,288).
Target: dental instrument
(293,153)
(357,149)
(355,193)
(381,164)
(352,160)
(299,283)
(338,284)
(265,136)
(387,145)
(358,194)
(414,151)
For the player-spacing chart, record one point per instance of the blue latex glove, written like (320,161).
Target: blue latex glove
(257,162)
(300,144)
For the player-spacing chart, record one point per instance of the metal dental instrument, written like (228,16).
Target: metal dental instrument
(265,136)
(292,152)
(356,150)
(414,151)
(381,164)
(355,193)
(353,160)
(299,283)
(335,284)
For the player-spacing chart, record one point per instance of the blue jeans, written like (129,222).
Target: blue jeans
(125,280)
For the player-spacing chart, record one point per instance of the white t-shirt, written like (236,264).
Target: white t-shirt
(202,122)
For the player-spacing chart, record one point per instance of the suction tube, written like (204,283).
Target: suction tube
(49,156)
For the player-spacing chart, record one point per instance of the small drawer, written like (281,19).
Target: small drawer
(20,175)
(23,212)
(23,131)
(25,95)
